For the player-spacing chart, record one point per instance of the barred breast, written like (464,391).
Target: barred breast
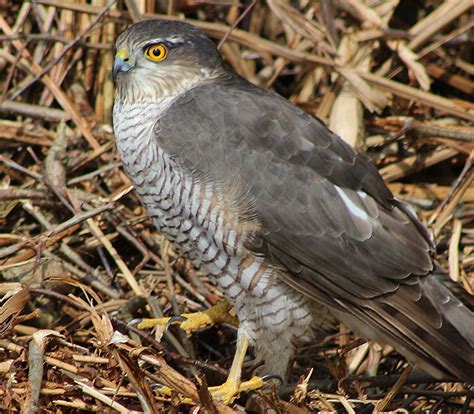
(209,223)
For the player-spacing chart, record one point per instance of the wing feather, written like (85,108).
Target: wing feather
(313,193)
(326,216)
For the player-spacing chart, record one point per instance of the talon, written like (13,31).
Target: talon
(221,312)
(218,313)
(174,319)
(228,391)
(193,321)
(231,389)
(271,377)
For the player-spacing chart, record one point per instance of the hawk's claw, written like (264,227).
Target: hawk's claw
(225,393)
(233,386)
(228,391)
(175,319)
(135,321)
(267,378)
(191,322)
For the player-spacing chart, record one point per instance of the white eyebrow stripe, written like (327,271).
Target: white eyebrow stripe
(174,40)
(353,208)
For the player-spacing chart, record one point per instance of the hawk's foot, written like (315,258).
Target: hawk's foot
(190,322)
(232,388)
(225,393)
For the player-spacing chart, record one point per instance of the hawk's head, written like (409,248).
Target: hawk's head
(157,58)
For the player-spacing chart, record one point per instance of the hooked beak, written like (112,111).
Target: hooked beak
(121,63)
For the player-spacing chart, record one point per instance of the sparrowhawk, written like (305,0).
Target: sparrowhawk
(296,227)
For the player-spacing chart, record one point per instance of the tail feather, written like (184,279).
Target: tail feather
(434,331)
(454,311)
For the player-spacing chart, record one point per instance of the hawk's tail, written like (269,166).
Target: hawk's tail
(429,324)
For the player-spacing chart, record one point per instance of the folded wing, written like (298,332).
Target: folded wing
(327,218)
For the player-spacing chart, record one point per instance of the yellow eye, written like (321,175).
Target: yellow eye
(156,53)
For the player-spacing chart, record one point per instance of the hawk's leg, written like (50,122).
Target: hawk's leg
(190,322)
(219,313)
(232,387)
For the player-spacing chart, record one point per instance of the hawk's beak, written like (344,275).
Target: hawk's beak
(121,63)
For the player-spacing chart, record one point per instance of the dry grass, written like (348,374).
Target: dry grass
(79,258)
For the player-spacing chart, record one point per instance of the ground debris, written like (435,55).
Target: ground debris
(79,258)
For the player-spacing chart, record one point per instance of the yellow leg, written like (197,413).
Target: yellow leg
(194,321)
(232,387)
(191,322)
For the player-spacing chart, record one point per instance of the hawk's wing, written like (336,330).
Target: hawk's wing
(326,216)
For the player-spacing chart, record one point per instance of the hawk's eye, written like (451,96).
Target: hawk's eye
(156,53)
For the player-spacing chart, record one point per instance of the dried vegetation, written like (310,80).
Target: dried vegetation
(79,258)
